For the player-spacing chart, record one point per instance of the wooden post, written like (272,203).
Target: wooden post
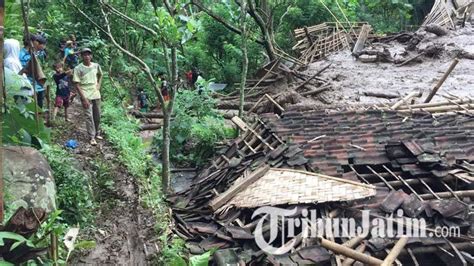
(392,256)
(364,33)
(441,81)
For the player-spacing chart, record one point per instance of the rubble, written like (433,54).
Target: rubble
(421,165)
(397,161)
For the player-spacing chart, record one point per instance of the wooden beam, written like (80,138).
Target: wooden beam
(441,81)
(237,187)
(240,123)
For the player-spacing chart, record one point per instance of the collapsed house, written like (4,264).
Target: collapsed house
(410,165)
(338,163)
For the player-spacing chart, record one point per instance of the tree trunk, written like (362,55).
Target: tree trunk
(245,61)
(268,44)
(167,112)
(165,155)
(174,67)
(264,25)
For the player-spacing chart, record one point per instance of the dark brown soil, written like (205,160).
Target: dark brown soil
(124,230)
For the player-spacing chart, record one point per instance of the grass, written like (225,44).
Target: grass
(122,132)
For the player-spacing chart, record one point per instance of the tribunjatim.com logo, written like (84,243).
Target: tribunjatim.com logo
(284,223)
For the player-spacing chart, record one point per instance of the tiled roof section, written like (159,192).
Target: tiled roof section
(332,141)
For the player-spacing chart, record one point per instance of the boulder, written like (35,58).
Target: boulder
(27,179)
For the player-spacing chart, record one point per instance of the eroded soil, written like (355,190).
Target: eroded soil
(124,230)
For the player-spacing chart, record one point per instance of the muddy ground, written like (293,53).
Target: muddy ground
(351,77)
(124,230)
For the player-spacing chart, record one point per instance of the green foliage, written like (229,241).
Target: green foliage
(19,239)
(122,132)
(383,15)
(173,253)
(203,259)
(19,126)
(13,21)
(196,127)
(74,192)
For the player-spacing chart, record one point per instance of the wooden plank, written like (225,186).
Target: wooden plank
(240,123)
(237,187)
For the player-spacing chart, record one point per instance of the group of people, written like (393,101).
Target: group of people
(191,77)
(70,77)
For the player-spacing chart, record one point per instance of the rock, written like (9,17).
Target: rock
(109,156)
(28,179)
(365,58)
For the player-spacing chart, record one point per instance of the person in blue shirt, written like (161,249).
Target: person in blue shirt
(70,56)
(39,44)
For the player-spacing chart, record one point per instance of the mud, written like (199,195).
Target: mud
(124,230)
(351,78)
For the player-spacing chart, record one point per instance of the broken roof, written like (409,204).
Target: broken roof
(419,163)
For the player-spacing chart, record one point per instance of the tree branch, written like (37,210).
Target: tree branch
(219,19)
(128,19)
(87,17)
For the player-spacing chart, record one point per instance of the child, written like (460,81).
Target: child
(164,87)
(142,101)
(62,90)
(70,56)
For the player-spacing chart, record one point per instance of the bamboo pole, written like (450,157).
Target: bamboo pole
(32,64)
(392,256)
(274,102)
(426,105)
(2,102)
(437,109)
(441,81)
(461,193)
(349,261)
(348,252)
(353,241)
(406,99)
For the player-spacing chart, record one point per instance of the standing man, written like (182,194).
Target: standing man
(39,44)
(87,79)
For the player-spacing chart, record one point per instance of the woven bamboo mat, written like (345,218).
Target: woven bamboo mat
(287,186)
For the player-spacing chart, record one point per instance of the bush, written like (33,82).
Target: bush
(74,192)
(196,127)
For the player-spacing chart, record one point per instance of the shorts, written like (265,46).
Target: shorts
(61,101)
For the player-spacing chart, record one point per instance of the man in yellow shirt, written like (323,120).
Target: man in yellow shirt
(87,78)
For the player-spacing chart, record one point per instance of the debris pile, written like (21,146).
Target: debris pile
(275,87)
(316,42)
(382,161)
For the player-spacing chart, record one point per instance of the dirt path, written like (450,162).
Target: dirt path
(124,231)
